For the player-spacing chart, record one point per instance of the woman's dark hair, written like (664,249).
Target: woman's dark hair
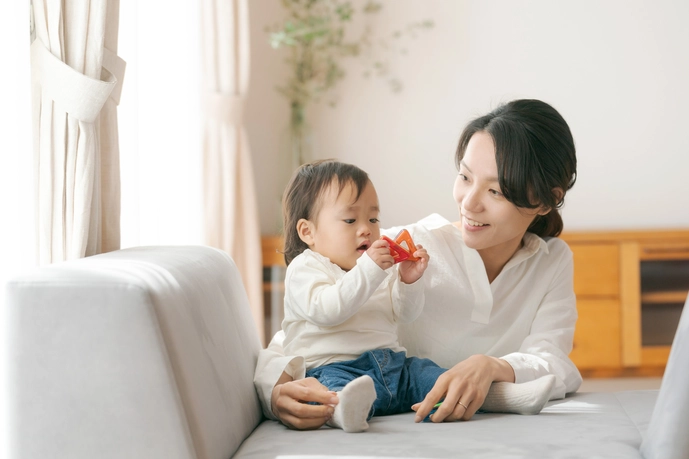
(303,193)
(535,155)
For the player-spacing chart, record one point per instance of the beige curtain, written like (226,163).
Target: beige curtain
(230,209)
(76,79)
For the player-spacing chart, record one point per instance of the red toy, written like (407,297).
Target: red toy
(398,252)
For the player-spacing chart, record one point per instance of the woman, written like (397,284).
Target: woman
(499,291)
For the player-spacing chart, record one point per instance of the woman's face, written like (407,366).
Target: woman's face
(488,220)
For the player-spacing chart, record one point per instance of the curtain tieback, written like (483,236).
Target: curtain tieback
(224,107)
(116,66)
(75,93)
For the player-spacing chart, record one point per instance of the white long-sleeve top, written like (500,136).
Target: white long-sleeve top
(332,315)
(526,316)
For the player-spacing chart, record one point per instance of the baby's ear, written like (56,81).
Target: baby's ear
(305,231)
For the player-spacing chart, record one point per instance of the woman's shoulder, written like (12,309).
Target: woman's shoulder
(432,222)
(552,251)
(557,246)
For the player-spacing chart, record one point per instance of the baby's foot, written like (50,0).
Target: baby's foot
(356,399)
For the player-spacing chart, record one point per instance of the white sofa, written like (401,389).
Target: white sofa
(149,353)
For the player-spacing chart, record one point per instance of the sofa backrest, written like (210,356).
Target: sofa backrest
(667,436)
(146,352)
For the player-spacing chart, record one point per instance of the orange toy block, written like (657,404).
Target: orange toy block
(398,251)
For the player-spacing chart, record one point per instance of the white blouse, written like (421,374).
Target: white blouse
(526,316)
(332,315)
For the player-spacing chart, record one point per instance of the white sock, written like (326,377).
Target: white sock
(525,398)
(356,399)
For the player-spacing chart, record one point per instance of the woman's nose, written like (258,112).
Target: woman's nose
(471,201)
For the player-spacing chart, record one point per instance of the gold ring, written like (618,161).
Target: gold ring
(463,405)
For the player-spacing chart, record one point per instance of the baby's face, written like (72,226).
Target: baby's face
(345,226)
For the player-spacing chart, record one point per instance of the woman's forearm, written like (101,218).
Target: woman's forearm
(503,371)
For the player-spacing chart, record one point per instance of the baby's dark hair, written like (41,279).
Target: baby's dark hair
(304,191)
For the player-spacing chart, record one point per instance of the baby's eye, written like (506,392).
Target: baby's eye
(374,220)
(349,221)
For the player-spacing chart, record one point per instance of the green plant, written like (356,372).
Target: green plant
(315,32)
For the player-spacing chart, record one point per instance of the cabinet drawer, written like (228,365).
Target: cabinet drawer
(597,335)
(596,269)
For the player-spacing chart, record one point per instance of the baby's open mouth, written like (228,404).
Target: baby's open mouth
(363,247)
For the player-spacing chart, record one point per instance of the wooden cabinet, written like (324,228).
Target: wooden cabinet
(630,289)
(597,336)
(273,284)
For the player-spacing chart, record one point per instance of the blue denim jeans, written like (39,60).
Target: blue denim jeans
(400,381)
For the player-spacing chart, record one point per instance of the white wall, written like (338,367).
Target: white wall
(618,71)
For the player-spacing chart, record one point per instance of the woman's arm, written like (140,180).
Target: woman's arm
(271,365)
(467,382)
(289,403)
(544,351)
(283,393)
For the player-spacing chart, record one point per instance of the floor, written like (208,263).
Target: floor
(619,384)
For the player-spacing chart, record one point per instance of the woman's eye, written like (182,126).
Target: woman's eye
(463,177)
(495,192)
(374,220)
(350,220)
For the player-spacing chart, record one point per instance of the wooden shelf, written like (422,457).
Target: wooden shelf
(667,250)
(272,247)
(664,297)
(654,355)
(680,236)
(623,280)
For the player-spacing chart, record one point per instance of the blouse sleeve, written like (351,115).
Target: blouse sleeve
(545,350)
(272,362)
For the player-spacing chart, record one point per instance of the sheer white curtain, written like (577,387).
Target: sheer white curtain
(159,125)
(77,79)
(17,234)
(230,208)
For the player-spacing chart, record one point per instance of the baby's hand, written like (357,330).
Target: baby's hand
(380,253)
(411,271)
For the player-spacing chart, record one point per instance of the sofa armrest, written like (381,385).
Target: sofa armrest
(146,352)
(666,437)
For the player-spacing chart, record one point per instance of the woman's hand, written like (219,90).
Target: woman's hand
(289,403)
(464,388)
(411,271)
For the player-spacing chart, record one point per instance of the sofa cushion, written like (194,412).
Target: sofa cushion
(140,353)
(598,425)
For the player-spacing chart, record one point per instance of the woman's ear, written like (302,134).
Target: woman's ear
(544,210)
(559,196)
(305,231)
